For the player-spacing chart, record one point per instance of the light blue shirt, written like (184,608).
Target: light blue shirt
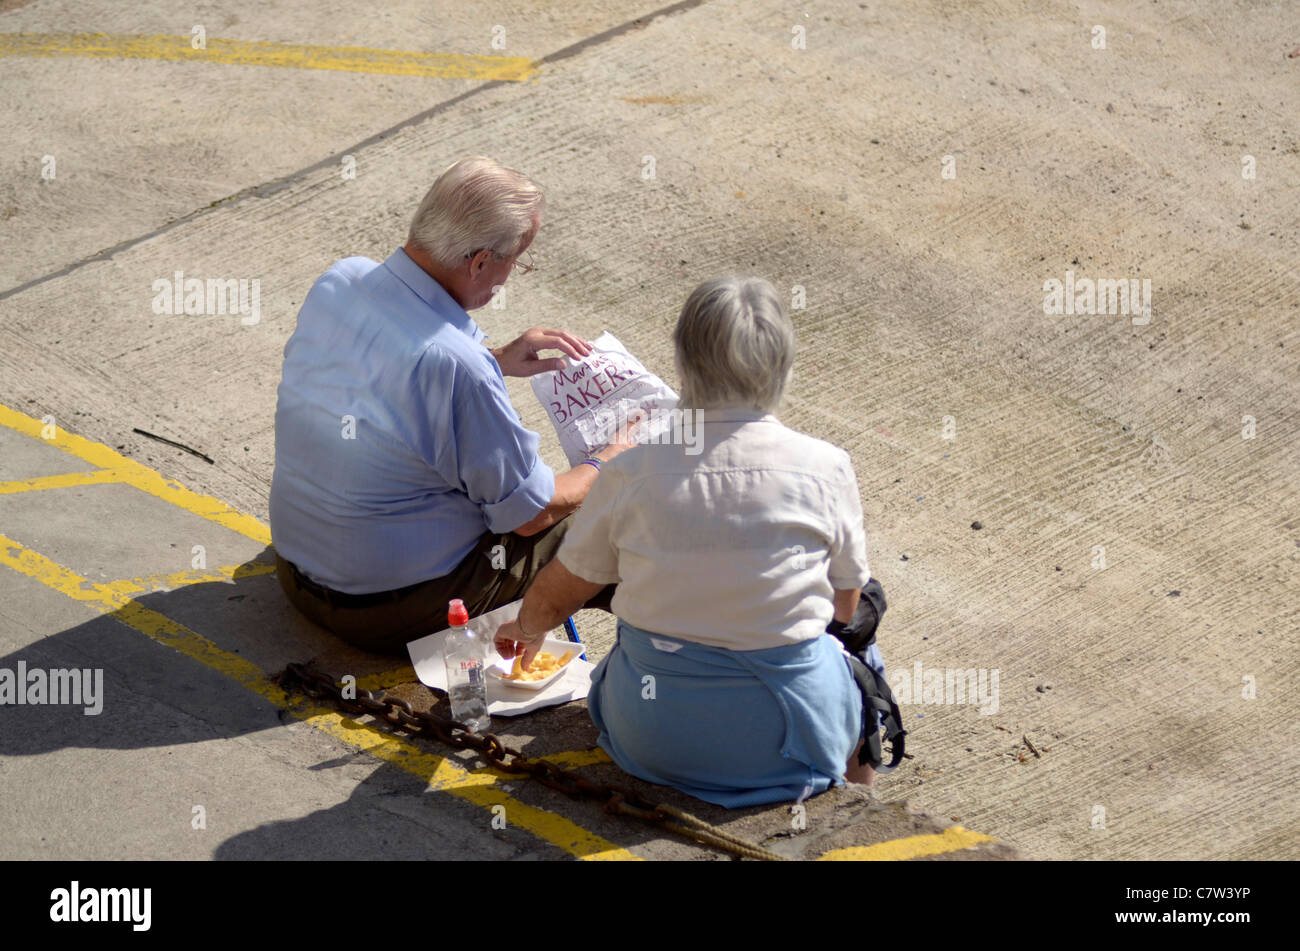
(396,446)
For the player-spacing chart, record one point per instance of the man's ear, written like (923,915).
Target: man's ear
(478,262)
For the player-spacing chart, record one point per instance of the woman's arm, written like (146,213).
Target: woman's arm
(555,594)
(846,603)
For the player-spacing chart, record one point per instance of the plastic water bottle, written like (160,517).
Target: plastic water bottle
(465,655)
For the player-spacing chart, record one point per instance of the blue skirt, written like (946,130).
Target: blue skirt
(736,728)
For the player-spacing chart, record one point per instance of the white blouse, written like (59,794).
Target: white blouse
(737,546)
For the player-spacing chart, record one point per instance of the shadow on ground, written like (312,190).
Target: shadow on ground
(156,696)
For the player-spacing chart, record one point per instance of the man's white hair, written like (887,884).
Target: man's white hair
(476,204)
(734,345)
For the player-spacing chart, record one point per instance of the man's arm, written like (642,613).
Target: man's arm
(571,487)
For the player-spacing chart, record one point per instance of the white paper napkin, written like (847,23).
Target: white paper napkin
(503,699)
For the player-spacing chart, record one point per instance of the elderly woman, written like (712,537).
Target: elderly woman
(730,563)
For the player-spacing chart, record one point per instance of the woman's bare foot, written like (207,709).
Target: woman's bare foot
(855,772)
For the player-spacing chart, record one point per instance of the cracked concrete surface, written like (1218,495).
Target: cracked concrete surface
(819,168)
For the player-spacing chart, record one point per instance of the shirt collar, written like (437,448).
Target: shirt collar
(736,415)
(433,294)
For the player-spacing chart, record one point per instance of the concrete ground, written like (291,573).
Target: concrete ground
(912,173)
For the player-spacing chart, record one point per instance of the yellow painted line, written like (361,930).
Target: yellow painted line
(181,579)
(348,59)
(953,839)
(573,759)
(114,598)
(569,759)
(139,476)
(63,481)
(441,773)
(388,678)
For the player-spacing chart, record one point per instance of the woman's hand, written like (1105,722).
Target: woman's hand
(625,437)
(554,595)
(510,640)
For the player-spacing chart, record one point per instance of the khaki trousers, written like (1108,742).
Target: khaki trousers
(384,622)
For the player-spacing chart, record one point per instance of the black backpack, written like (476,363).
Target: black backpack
(857,636)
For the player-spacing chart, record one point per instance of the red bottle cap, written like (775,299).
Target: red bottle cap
(457,616)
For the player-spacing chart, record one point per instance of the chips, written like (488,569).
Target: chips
(544,665)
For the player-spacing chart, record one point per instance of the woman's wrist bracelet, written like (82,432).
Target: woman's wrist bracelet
(593,462)
(520,625)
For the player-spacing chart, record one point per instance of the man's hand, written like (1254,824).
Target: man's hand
(520,357)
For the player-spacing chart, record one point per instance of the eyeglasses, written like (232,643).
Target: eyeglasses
(520,266)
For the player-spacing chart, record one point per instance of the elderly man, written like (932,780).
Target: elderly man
(403,477)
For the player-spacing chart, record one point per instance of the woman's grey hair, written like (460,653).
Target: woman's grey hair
(734,345)
(476,204)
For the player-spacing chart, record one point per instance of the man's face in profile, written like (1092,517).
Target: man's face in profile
(487,271)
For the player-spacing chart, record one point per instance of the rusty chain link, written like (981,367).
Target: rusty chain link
(617,800)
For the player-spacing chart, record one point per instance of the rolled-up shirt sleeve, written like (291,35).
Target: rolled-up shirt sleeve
(589,550)
(848,555)
(495,458)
